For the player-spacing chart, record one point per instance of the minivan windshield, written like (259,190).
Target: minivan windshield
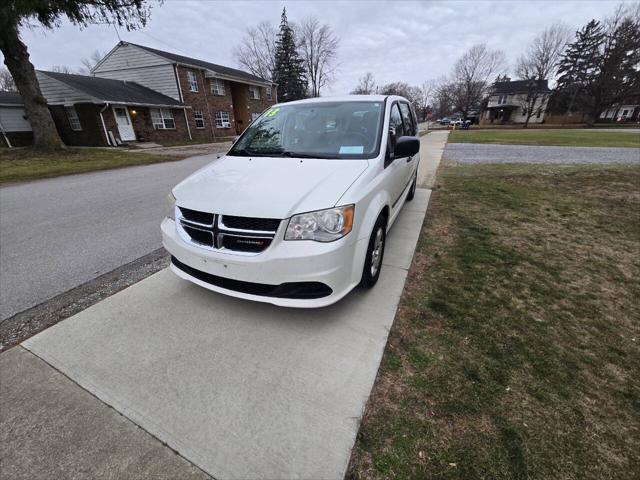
(348,130)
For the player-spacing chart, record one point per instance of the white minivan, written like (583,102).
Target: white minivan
(296,213)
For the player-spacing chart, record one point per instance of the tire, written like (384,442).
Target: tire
(375,254)
(412,191)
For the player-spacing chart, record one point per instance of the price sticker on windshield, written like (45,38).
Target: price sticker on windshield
(273,112)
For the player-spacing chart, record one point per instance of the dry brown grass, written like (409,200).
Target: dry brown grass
(515,349)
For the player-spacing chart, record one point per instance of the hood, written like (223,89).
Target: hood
(267,187)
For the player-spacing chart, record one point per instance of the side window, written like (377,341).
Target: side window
(395,121)
(407,118)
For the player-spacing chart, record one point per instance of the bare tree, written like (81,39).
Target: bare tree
(366,85)
(443,97)
(91,61)
(423,98)
(61,69)
(318,48)
(471,76)
(540,61)
(257,50)
(6,81)
(538,65)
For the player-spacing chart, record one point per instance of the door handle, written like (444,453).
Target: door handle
(409,159)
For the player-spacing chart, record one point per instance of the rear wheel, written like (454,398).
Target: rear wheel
(375,254)
(412,191)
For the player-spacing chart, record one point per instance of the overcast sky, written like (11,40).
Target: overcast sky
(397,41)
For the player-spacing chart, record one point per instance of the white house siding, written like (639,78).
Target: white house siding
(12,119)
(128,56)
(160,78)
(517,113)
(128,62)
(619,113)
(57,92)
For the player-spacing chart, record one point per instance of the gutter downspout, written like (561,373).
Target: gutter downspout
(104,127)
(184,110)
(6,139)
(186,119)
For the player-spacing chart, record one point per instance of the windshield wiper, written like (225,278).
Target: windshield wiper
(287,153)
(245,152)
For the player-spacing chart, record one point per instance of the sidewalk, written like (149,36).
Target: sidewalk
(50,428)
(431,148)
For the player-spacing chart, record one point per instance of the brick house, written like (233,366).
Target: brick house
(94,111)
(223,101)
(507,102)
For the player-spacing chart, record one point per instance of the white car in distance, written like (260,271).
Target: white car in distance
(297,212)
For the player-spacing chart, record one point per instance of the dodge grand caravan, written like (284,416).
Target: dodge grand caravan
(296,213)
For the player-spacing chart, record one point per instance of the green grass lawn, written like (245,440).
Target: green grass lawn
(516,348)
(22,164)
(562,137)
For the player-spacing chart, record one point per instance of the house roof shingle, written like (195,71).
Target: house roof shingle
(114,91)
(233,72)
(10,98)
(519,86)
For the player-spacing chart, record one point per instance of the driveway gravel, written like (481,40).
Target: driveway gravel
(484,153)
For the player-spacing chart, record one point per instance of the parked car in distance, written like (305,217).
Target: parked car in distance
(297,212)
(444,121)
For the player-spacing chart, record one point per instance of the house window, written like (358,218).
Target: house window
(74,120)
(502,100)
(222,120)
(254,92)
(192,80)
(162,119)
(199,118)
(269,93)
(217,86)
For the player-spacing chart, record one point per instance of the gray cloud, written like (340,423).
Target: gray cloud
(397,41)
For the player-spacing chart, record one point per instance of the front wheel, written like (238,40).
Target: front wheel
(375,254)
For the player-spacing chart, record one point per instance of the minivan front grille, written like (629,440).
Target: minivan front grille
(208,230)
(194,216)
(247,223)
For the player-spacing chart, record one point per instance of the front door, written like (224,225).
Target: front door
(124,124)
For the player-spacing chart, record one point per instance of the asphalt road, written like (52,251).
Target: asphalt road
(59,233)
(489,153)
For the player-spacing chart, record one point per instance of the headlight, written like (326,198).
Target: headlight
(171,206)
(322,226)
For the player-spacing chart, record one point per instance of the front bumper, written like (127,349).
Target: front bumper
(300,269)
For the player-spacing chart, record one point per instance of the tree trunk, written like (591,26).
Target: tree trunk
(16,58)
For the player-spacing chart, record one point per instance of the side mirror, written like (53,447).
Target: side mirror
(406,147)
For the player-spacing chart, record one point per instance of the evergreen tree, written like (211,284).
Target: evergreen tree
(578,66)
(599,69)
(289,72)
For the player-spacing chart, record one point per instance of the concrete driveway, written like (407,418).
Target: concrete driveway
(240,389)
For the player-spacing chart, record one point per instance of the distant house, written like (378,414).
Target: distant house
(223,101)
(94,111)
(626,111)
(15,129)
(507,102)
